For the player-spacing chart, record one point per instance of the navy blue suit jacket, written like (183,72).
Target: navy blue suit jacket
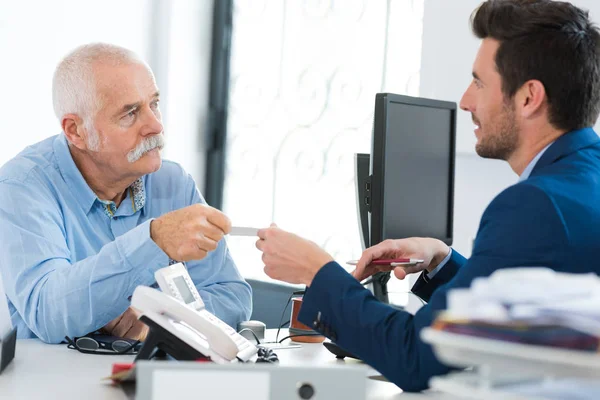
(550,219)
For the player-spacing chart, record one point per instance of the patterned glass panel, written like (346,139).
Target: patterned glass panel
(303,80)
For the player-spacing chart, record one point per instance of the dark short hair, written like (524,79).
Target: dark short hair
(550,41)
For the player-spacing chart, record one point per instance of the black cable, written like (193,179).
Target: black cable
(303,334)
(285,323)
(253,334)
(266,355)
(282,314)
(298,292)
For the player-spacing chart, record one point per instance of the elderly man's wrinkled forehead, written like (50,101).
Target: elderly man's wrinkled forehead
(123,83)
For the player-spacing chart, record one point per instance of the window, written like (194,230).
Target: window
(303,80)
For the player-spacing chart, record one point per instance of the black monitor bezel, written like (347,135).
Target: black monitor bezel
(377,168)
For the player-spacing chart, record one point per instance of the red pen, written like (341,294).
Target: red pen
(393,262)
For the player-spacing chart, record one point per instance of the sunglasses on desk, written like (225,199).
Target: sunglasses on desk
(103,344)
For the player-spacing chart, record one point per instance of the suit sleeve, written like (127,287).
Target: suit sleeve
(521,227)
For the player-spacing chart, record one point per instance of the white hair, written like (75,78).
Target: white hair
(74,83)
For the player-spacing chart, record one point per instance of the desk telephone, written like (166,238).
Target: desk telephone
(175,281)
(180,325)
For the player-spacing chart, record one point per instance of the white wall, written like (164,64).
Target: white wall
(448,53)
(34,36)
(174,37)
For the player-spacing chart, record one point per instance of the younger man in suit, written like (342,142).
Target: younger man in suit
(534,97)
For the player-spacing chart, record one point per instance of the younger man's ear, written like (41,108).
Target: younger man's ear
(531,98)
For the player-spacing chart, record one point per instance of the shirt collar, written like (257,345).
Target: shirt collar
(83,193)
(531,165)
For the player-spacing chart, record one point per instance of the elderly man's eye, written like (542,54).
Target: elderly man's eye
(131,114)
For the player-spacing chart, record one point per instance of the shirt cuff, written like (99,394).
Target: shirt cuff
(441,265)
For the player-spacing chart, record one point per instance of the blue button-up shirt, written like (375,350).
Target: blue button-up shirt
(70,262)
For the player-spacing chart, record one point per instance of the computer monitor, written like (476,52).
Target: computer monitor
(362,166)
(410,190)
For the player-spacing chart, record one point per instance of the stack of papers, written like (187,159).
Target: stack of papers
(559,389)
(528,305)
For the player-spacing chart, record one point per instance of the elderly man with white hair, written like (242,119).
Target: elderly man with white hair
(93,212)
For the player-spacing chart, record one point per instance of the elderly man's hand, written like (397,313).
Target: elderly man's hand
(127,326)
(290,258)
(191,232)
(431,251)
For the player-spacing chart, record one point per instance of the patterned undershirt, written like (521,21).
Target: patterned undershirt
(137,193)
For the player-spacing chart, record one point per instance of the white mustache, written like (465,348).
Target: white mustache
(151,143)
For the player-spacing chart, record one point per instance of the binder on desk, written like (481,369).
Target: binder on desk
(8,334)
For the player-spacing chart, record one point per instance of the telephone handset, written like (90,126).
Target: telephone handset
(176,282)
(198,329)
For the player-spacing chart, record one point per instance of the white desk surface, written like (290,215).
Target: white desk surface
(41,370)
